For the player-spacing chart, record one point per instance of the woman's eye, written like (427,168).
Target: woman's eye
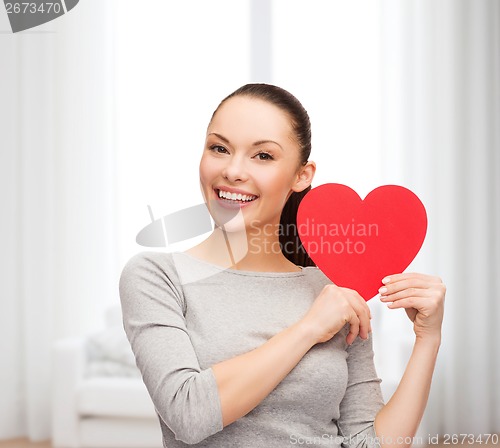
(218,149)
(264,156)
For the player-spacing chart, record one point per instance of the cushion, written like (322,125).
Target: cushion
(109,354)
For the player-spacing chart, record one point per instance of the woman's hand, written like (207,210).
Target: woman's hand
(422,297)
(332,309)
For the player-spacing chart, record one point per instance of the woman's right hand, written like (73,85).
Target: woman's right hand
(332,309)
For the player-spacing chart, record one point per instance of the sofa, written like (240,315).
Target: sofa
(98,397)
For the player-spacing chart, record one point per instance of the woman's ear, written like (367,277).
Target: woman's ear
(304,177)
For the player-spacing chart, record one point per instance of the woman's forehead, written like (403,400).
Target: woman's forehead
(251,116)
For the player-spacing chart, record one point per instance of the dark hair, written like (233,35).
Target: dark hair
(290,243)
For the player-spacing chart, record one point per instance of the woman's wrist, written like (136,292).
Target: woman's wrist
(432,341)
(306,330)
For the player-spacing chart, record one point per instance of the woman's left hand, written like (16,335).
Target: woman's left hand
(422,297)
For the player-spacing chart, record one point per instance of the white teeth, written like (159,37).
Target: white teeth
(236,196)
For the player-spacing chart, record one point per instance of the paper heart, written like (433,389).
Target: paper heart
(355,242)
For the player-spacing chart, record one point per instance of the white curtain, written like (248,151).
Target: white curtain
(58,264)
(441,137)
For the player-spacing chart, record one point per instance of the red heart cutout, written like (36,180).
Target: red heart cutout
(358,242)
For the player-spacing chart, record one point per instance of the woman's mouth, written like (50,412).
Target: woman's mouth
(226,198)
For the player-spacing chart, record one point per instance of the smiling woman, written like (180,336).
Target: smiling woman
(258,138)
(266,350)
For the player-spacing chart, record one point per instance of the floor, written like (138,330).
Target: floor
(24,443)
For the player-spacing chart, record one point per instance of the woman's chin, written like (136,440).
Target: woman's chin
(230,219)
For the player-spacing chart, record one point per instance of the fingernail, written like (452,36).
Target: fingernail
(382,290)
(386,280)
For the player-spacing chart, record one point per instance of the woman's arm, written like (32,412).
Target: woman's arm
(422,297)
(184,395)
(245,380)
(400,418)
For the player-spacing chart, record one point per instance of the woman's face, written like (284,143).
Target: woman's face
(250,150)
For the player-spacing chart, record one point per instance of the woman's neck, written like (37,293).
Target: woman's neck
(248,250)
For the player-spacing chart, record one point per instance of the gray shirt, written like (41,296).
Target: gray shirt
(182,315)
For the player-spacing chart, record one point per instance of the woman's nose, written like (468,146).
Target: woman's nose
(235,169)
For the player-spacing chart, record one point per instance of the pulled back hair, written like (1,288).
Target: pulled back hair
(290,243)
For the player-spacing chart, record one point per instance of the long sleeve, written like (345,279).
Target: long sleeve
(363,397)
(185,396)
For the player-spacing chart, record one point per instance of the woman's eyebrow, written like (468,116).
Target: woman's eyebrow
(224,139)
(260,142)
